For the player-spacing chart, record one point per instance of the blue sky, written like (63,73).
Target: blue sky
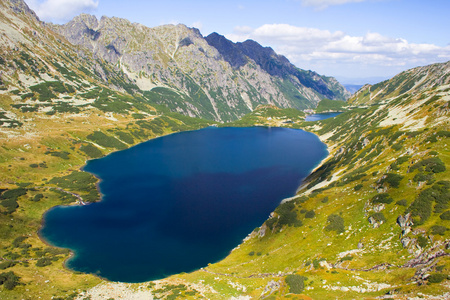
(353,40)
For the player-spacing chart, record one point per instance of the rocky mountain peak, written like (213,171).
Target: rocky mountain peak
(90,21)
(20,7)
(210,75)
(271,62)
(239,54)
(229,50)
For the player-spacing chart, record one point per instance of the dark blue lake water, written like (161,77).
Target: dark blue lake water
(176,203)
(318,117)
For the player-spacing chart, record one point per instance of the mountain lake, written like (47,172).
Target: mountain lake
(176,203)
(323,116)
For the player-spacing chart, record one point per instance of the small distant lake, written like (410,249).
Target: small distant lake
(318,117)
(178,202)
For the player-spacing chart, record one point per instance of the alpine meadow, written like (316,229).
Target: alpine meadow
(369,221)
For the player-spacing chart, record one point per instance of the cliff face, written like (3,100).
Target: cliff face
(31,54)
(207,77)
(20,7)
(238,55)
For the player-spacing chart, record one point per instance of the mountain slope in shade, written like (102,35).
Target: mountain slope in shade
(411,81)
(189,73)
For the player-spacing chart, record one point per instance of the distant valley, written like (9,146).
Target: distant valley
(353,88)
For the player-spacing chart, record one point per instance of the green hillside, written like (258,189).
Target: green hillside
(412,81)
(327,105)
(371,222)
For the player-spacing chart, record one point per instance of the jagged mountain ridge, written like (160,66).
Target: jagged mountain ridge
(410,81)
(43,72)
(238,54)
(170,58)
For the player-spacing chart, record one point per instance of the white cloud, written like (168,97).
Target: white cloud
(61,10)
(337,53)
(322,4)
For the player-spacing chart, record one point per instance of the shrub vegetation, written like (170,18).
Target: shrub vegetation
(107,141)
(430,165)
(310,214)
(91,151)
(422,241)
(335,223)
(8,199)
(379,217)
(392,179)
(422,207)
(437,229)
(287,215)
(382,198)
(402,202)
(437,278)
(9,280)
(296,283)
(445,215)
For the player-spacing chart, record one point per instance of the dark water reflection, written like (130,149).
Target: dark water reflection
(176,203)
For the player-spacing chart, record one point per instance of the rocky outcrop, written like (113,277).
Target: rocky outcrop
(375,222)
(405,223)
(427,260)
(271,288)
(262,231)
(20,7)
(238,54)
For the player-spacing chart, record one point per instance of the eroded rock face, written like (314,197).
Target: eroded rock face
(366,142)
(19,6)
(262,231)
(406,241)
(375,223)
(214,77)
(271,287)
(405,223)
(379,207)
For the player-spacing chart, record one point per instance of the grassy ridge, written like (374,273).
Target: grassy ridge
(326,105)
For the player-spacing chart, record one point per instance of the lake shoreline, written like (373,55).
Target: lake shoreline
(284,145)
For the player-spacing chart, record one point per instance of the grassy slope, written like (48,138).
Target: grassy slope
(359,158)
(331,105)
(57,136)
(362,261)
(30,157)
(413,81)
